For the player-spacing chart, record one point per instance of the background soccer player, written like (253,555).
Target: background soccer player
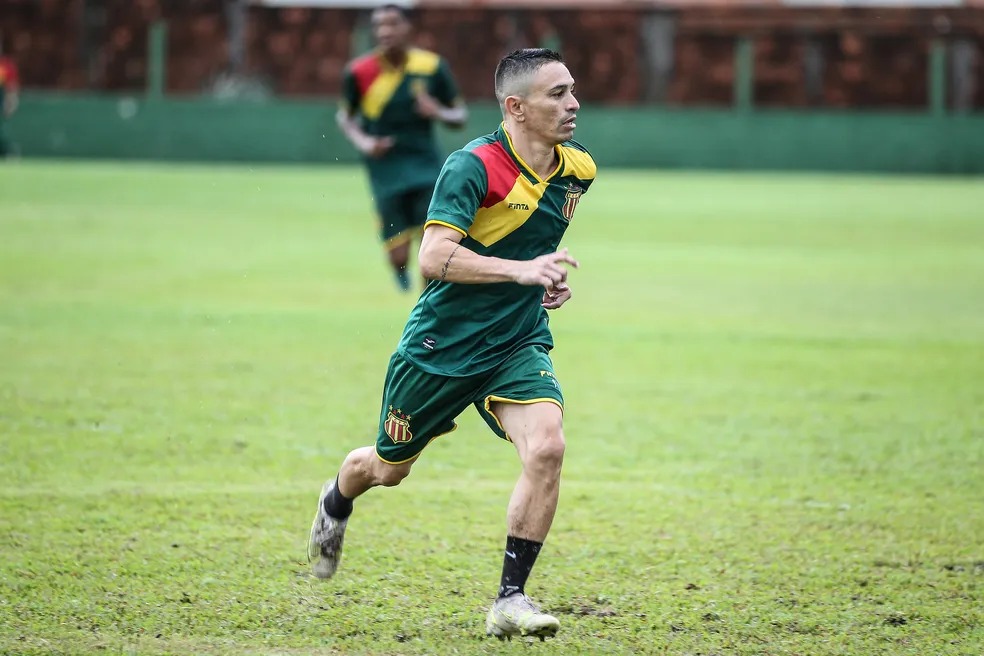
(479,335)
(391,99)
(9,97)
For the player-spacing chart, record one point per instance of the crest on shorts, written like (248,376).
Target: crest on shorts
(573,196)
(397,426)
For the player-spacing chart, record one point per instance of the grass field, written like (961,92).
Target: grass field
(775,421)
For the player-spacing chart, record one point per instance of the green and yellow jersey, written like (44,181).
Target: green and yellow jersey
(9,81)
(503,209)
(383,97)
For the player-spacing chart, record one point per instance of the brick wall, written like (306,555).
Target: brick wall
(832,57)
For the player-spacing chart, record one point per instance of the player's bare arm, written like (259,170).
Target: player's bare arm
(368,145)
(11,101)
(454,117)
(442,257)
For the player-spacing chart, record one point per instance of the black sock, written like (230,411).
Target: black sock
(336,505)
(518,563)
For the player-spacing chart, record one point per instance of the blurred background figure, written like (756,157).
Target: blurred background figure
(391,99)
(9,99)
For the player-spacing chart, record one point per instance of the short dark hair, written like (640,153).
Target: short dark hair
(521,63)
(400,9)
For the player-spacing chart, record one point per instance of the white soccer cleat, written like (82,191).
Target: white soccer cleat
(327,533)
(517,615)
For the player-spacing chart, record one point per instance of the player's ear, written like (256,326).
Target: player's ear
(514,108)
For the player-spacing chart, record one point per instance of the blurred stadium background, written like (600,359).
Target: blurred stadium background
(893,85)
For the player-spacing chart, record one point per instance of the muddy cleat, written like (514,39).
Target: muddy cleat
(327,533)
(516,615)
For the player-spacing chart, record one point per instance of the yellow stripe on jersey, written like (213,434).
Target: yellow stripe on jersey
(380,92)
(492,224)
(422,62)
(512,149)
(578,163)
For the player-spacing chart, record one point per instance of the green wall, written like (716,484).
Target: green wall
(57,125)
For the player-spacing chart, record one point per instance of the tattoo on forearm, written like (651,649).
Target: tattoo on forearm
(444,269)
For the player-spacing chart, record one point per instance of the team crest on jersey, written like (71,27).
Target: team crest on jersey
(573,196)
(397,426)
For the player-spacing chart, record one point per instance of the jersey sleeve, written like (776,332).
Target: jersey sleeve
(444,88)
(350,92)
(459,192)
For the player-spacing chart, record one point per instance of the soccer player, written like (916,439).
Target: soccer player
(478,334)
(9,97)
(391,99)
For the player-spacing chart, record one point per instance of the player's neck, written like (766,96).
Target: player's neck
(539,155)
(395,58)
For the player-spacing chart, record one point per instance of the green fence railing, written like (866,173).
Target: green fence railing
(128,127)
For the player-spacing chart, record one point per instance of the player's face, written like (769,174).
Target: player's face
(391,29)
(551,107)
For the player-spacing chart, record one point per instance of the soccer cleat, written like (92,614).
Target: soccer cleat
(517,615)
(327,533)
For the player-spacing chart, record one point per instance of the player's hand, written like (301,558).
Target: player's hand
(376,147)
(546,271)
(556,296)
(427,106)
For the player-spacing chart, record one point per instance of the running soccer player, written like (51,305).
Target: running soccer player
(9,98)
(478,334)
(392,97)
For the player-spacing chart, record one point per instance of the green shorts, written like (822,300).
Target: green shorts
(400,214)
(418,406)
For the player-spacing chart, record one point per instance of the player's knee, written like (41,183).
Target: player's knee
(546,451)
(391,475)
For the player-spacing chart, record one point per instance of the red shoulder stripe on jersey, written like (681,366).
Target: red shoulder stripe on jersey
(501,169)
(366,69)
(8,73)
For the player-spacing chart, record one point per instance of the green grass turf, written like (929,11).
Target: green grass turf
(775,420)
